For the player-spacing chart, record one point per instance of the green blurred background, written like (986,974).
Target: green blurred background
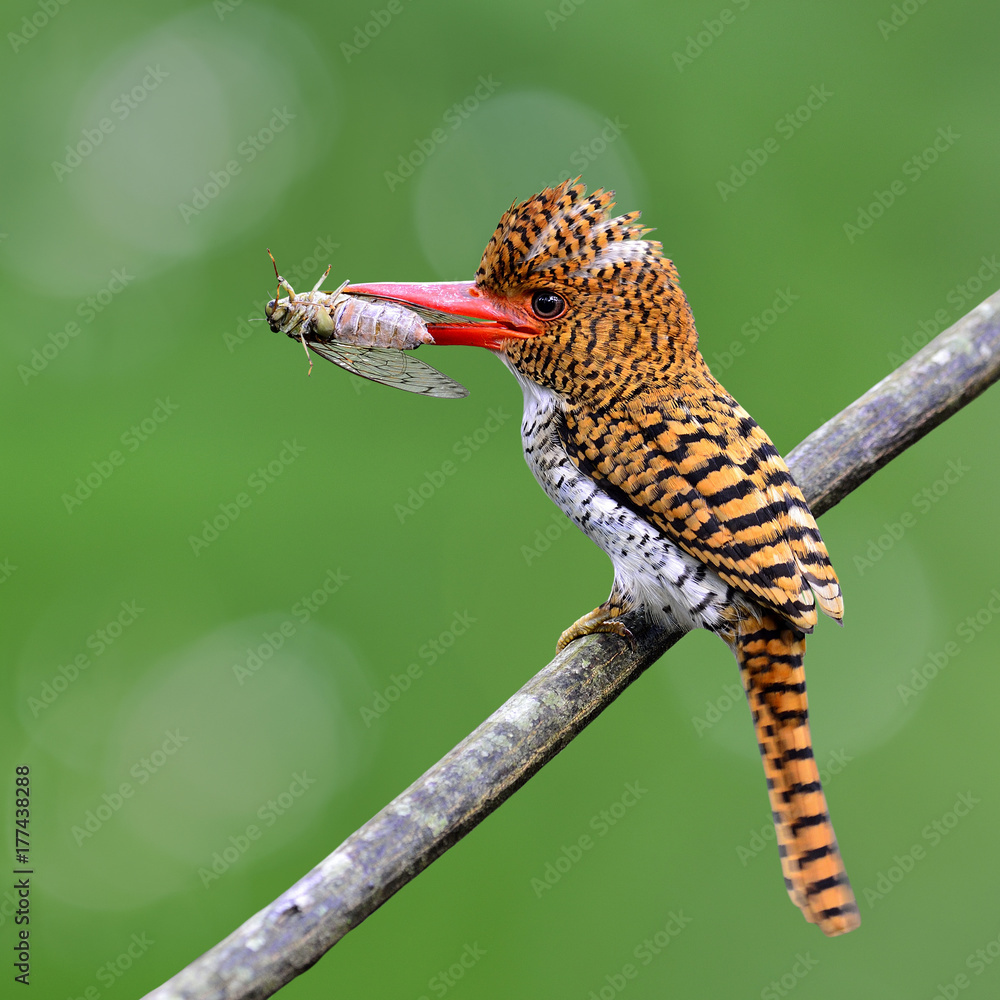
(150,154)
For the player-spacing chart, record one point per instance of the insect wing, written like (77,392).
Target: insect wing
(390,367)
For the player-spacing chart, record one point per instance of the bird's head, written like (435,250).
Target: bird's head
(572,297)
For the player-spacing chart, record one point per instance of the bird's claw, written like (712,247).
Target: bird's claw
(602,619)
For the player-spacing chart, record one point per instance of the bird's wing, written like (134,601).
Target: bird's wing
(705,474)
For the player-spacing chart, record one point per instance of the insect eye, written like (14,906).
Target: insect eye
(547,304)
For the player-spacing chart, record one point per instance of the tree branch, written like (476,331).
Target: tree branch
(463,788)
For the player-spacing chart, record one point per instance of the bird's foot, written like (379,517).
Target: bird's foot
(606,618)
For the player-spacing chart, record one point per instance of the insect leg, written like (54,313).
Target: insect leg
(281,281)
(305,347)
(315,287)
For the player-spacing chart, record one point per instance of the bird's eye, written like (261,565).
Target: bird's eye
(547,304)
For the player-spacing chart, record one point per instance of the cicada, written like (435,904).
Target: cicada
(365,336)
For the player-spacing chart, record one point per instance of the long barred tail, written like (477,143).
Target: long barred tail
(770,655)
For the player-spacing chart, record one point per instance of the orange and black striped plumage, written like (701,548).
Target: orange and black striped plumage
(627,430)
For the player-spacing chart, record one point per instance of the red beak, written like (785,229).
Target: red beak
(484,320)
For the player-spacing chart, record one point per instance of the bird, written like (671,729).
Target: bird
(632,437)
